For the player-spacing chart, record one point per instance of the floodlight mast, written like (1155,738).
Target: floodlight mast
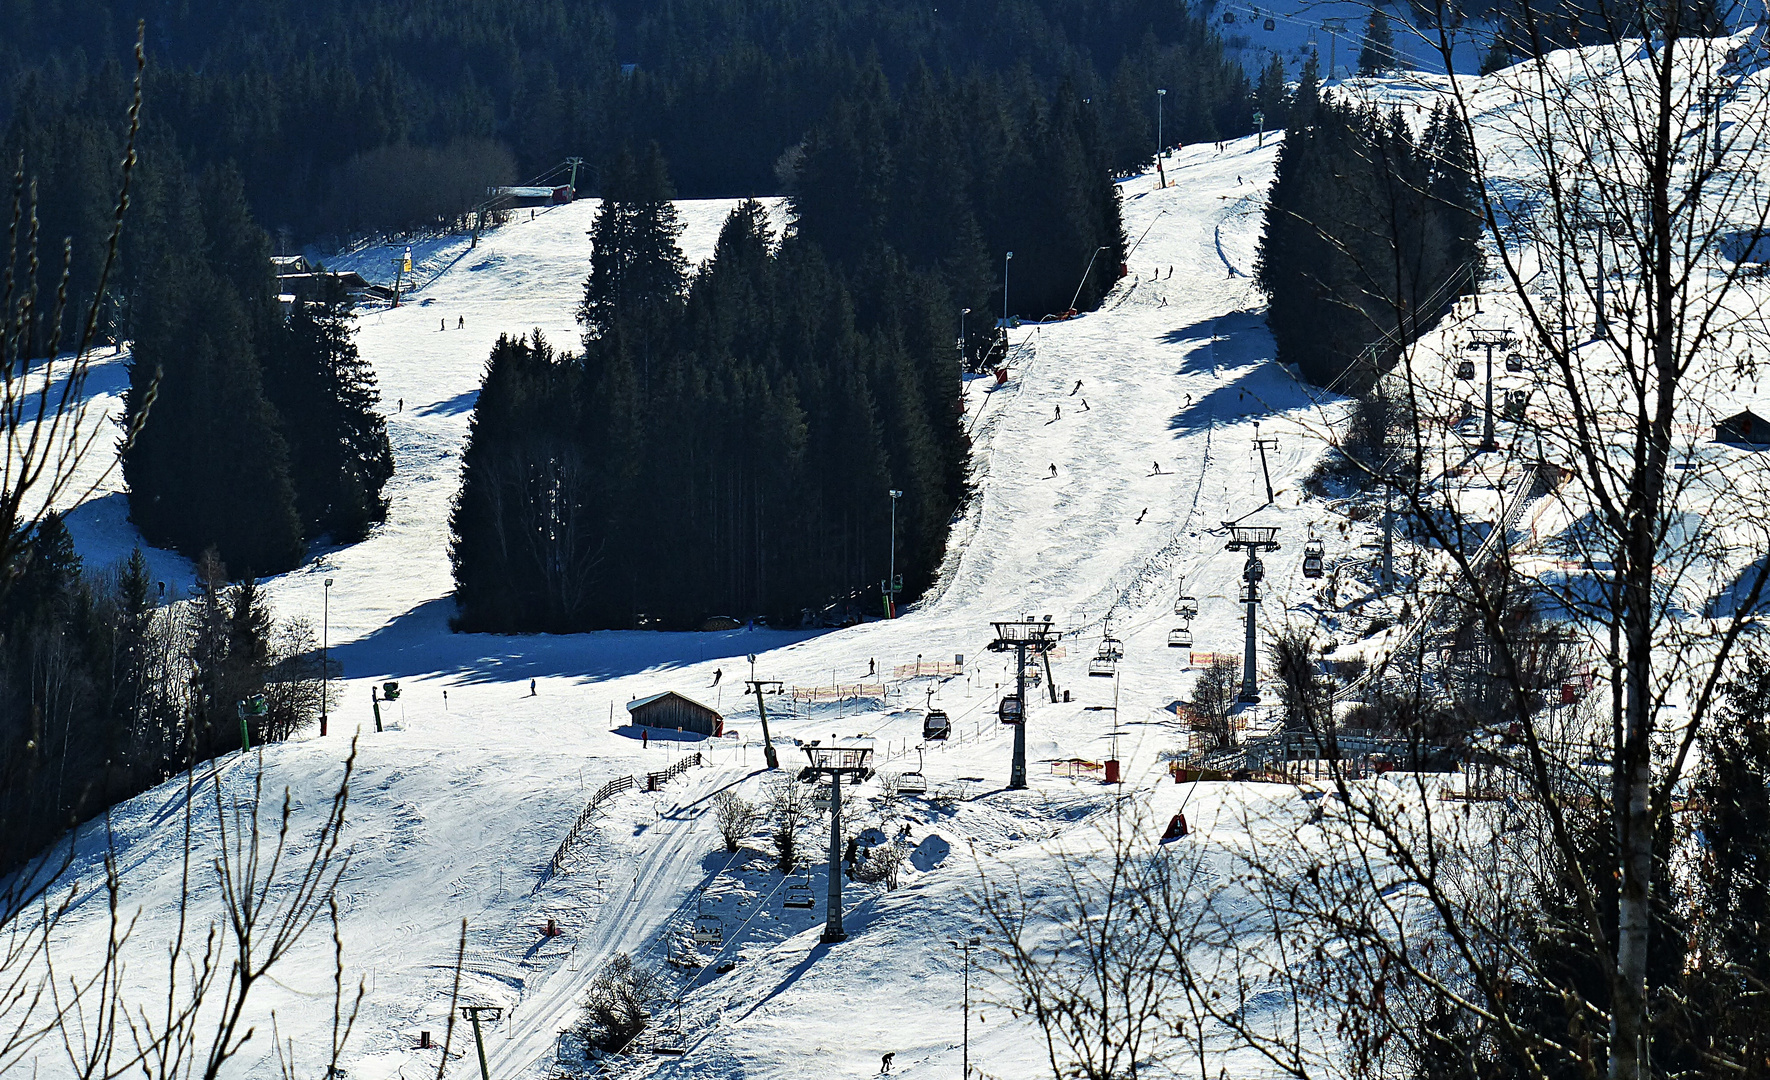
(855,759)
(1253,539)
(1022,636)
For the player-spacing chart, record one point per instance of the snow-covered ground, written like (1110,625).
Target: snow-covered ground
(458,806)
(1148,409)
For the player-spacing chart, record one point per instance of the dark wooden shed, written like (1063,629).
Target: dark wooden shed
(1746,428)
(671,711)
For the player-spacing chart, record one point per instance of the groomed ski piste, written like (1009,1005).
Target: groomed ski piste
(458,806)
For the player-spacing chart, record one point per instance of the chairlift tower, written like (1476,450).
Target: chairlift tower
(757,686)
(842,756)
(1252,539)
(1263,444)
(1023,636)
(472,1013)
(1489,340)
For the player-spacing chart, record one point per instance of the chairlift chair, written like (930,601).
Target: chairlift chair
(1228,17)
(1112,648)
(799,894)
(1465,369)
(708,930)
(1010,711)
(1312,553)
(668,1042)
(820,800)
(1186,606)
(912,783)
(1180,638)
(1102,667)
(936,725)
(1271,25)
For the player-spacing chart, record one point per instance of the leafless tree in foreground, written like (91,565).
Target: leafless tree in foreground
(1099,959)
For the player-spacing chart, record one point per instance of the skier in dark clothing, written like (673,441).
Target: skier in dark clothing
(1140,516)
(1085,406)
(1058,415)
(531,688)
(885,1063)
(1158,469)
(461,322)
(718,673)
(1078,386)
(1053,470)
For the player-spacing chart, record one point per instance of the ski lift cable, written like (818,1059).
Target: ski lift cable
(664,937)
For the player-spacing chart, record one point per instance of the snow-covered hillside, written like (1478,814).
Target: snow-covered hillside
(1105,467)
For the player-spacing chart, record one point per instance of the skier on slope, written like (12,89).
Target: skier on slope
(1058,415)
(1077,386)
(718,673)
(1053,470)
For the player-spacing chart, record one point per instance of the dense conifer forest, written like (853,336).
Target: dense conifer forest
(726,440)
(316,103)
(1370,231)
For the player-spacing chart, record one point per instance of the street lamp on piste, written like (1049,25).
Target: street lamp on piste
(852,757)
(893,583)
(965,946)
(325,651)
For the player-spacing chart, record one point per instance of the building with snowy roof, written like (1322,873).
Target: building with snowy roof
(673,712)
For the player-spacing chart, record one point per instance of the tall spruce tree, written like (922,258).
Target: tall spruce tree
(326,395)
(1377,53)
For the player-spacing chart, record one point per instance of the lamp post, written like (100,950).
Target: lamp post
(325,652)
(965,947)
(962,313)
(891,583)
(1005,261)
(1161,175)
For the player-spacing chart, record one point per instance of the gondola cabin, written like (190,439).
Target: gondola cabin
(1312,553)
(1465,369)
(1010,711)
(1514,362)
(936,725)
(1271,25)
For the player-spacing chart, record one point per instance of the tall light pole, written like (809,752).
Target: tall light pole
(325,651)
(965,1052)
(891,583)
(1159,172)
(1005,261)
(962,313)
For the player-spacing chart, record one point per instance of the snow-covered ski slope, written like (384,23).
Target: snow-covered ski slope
(458,806)
(460,803)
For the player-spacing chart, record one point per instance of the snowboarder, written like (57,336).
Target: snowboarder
(461,322)
(885,1063)
(531,688)
(1158,469)
(1077,386)
(1053,470)
(1140,516)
